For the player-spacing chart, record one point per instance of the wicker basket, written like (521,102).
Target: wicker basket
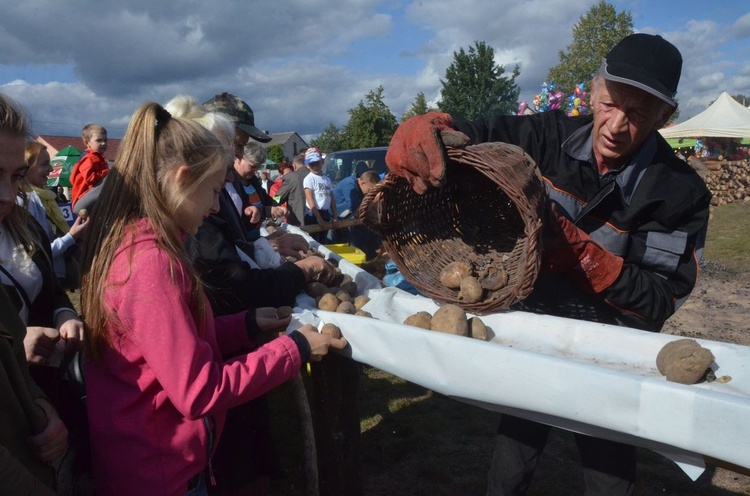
(489,212)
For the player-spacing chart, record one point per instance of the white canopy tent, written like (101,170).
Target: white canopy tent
(725,118)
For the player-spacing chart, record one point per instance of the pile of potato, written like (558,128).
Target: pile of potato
(450,319)
(340,297)
(473,285)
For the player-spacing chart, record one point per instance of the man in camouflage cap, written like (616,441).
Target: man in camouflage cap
(242,115)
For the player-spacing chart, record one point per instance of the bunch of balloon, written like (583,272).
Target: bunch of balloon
(548,99)
(577,102)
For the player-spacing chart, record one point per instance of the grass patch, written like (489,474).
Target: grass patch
(728,241)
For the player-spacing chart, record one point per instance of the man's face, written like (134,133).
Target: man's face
(245,168)
(240,140)
(623,118)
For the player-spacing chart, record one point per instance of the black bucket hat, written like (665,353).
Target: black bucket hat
(239,112)
(646,61)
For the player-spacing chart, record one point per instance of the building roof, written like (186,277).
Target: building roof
(281,138)
(56,143)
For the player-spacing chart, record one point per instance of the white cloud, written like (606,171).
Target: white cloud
(301,64)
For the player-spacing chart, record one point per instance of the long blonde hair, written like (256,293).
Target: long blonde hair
(139,186)
(14,121)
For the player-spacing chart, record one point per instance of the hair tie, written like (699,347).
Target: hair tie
(162,116)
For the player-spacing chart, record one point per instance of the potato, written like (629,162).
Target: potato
(419,319)
(331,330)
(363,313)
(270,229)
(360,301)
(83,213)
(315,289)
(338,278)
(346,307)
(344,296)
(453,273)
(684,361)
(669,349)
(350,287)
(450,319)
(470,290)
(477,329)
(333,289)
(495,278)
(284,312)
(328,302)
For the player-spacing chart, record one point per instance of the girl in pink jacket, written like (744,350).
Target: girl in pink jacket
(158,388)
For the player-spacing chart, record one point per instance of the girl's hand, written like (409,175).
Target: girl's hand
(320,343)
(268,320)
(71,331)
(78,228)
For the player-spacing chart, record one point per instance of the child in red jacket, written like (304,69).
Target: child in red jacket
(93,166)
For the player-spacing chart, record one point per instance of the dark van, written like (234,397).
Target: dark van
(341,164)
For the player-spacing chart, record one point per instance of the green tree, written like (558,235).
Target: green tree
(593,36)
(744,100)
(276,154)
(370,124)
(475,87)
(330,140)
(419,107)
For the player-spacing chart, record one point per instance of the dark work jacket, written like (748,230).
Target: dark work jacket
(231,284)
(652,212)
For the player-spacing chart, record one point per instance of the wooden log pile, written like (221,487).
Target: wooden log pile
(728,181)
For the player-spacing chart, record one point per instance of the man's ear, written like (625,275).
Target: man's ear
(668,111)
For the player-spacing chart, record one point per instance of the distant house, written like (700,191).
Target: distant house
(291,143)
(56,143)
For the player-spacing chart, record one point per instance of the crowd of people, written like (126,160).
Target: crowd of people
(179,291)
(180,299)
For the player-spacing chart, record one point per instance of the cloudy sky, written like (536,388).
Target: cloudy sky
(301,64)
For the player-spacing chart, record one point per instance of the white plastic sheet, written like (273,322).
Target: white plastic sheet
(585,377)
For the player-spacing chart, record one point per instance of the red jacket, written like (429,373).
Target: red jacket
(87,173)
(163,389)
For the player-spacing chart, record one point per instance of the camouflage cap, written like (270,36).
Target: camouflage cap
(239,112)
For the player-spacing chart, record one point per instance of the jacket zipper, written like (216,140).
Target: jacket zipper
(210,432)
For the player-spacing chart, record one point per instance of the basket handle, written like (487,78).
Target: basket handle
(371,211)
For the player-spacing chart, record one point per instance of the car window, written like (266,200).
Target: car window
(342,164)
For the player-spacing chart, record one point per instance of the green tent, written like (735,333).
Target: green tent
(62,166)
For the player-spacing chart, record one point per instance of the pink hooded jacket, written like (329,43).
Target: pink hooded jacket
(163,382)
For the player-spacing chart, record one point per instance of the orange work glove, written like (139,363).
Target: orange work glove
(571,251)
(417,149)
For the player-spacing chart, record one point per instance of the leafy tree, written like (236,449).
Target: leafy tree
(419,107)
(744,100)
(370,124)
(330,140)
(593,36)
(276,153)
(475,87)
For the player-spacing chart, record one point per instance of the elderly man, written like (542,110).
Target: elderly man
(624,233)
